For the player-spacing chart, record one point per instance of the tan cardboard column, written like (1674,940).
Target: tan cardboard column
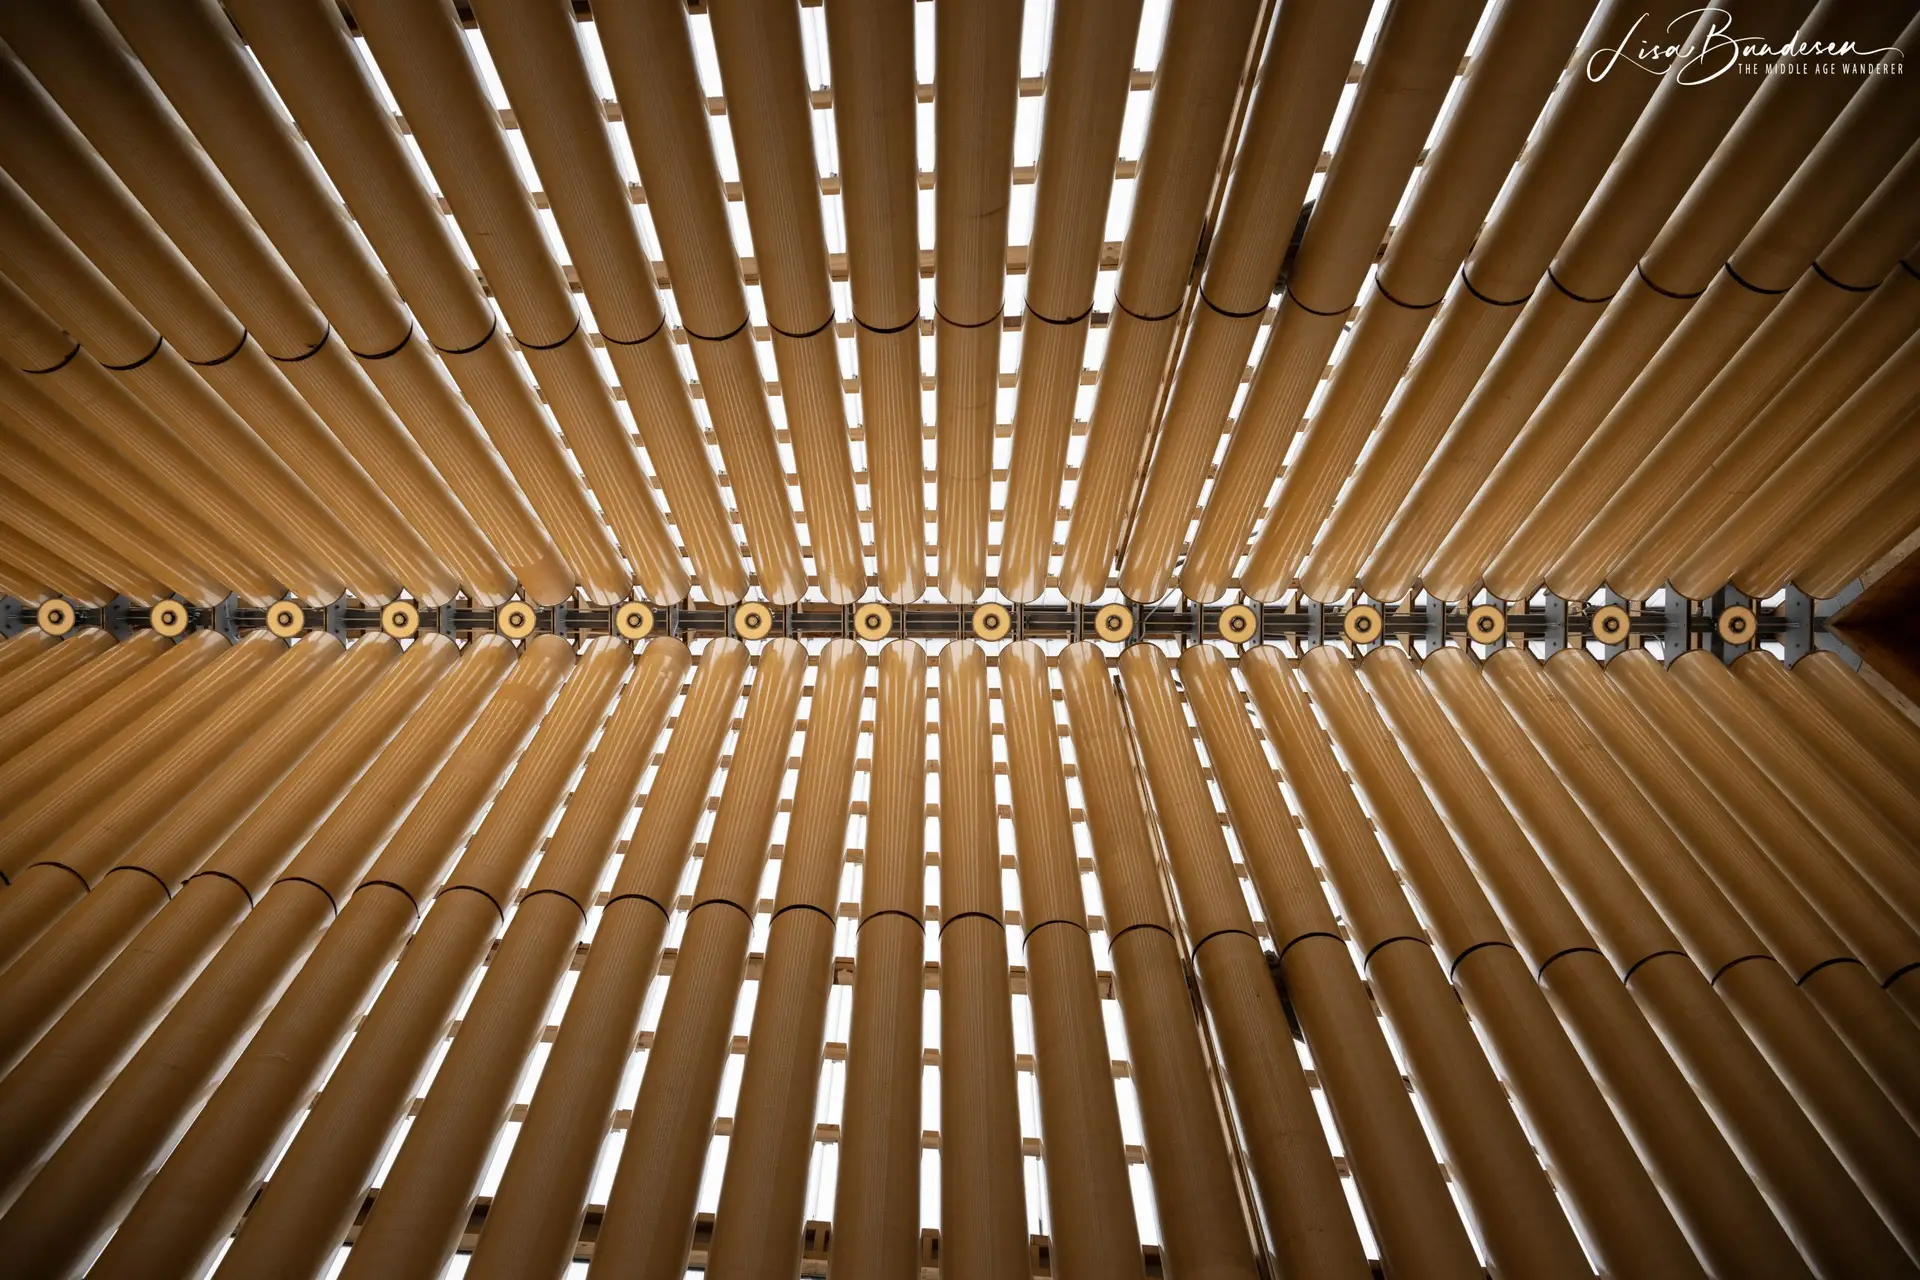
(200,61)
(1202,1226)
(1092,1228)
(983,1209)
(66,405)
(1653,527)
(1791,701)
(43,535)
(1675,138)
(342,431)
(535,1223)
(65,865)
(770,115)
(1579,134)
(329,87)
(267,438)
(1198,99)
(1843,362)
(1414,62)
(536,49)
(1514,69)
(649,52)
(18,545)
(1878,485)
(75,799)
(1733,1229)
(1394,1168)
(1301,1208)
(1302,73)
(870,48)
(318,1186)
(1865,1131)
(1847,993)
(43,714)
(422,1210)
(29,772)
(107,1162)
(22,648)
(1089,60)
(82,1054)
(1521,1225)
(133,884)
(978,70)
(1411,990)
(1879,726)
(319,1180)
(1625,1222)
(648,1226)
(55,664)
(1864,839)
(759,1227)
(1877,529)
(1723,246)
(876,1208)
(1888,945)
(1760,319)
(431,71)
(82,507)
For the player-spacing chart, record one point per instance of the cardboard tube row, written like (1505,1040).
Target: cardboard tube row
(1878,527)
(1855,176)
(1201,87)
(1516,68)
(978,71)
(771,120)
(1415,62)
(760,1224)
(40,715)
(549,1176)
(1293,101)
(1092,1225)
(1090,56)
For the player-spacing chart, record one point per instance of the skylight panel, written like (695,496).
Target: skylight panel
(923,61)
(1026,130)
(489,74)
(1036,29)
(596,58)
(706,60)
(373,70)
(1133,126)
(1153,34)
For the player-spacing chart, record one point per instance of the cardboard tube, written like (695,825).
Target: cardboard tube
(546,1180)
(1863,838)
(870,53)
(222,1155)
(1415,61)
(101,774)
(650,1212)
(83,942)
(104,1163)
(1394,1168)
(1873,534)
(1299,1197)
(1877,934)
(1093,1224)
(1517,65)
(1794,701)
(1878,486)
(1805,945)
(1293,100)
(39,716)
(973,120)
(91,564)
(1867,714)
(765,73)
(57,665)
(759,1226)
(983,1221)
(650,56)
(1199,78)
(1199,1204)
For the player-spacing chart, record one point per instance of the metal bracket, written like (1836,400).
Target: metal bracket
(1679,630)
(12,617)
(336,620)
(1560,627)
(222,620)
